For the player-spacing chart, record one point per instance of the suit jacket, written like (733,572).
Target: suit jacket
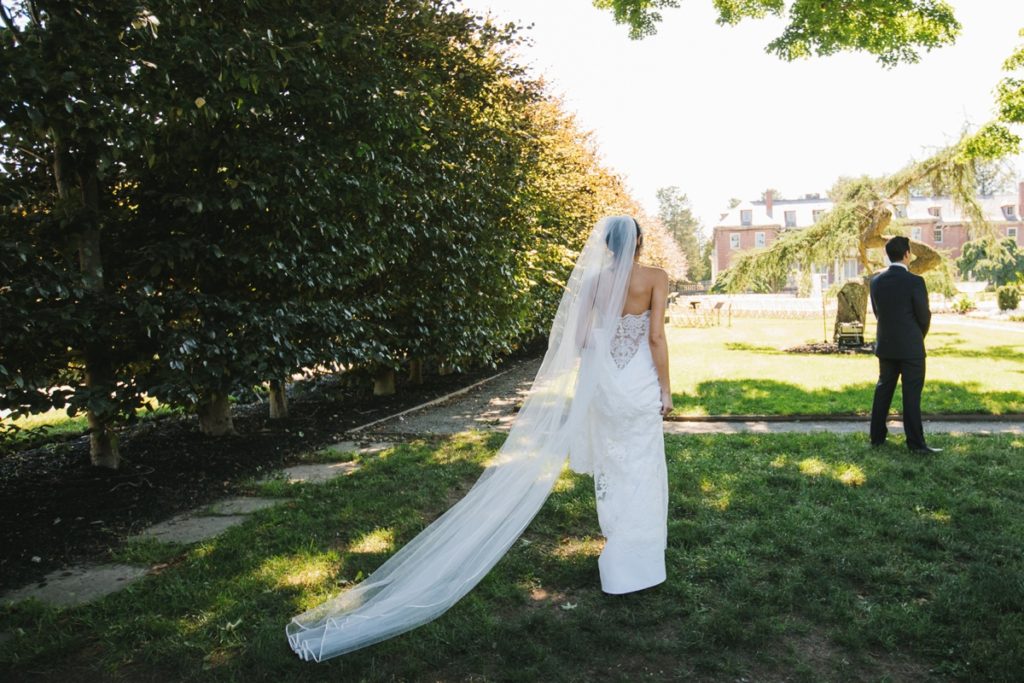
(899,300)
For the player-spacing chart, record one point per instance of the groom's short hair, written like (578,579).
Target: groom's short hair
(896,248)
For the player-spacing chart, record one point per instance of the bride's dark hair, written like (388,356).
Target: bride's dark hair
(616,238)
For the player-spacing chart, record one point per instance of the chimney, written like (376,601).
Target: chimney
(768,200)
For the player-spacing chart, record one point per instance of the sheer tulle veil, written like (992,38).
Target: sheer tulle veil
(440,565)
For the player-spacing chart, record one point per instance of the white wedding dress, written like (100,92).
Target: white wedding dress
(622,444)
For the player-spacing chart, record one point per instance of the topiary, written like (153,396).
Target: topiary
(1008,298)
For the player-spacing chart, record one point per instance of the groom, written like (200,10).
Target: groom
(899,300)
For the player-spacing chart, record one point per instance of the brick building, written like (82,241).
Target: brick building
(932,220)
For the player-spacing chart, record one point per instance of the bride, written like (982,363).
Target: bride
(599,397)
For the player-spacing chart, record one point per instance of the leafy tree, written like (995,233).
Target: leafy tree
(999,262)
(702,272)
(894,31)
(660,248)
(71,102)
(675,213)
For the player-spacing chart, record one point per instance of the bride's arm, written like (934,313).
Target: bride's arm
(659,344)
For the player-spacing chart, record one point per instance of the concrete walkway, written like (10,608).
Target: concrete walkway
(492,407)
(836,427)
(979,323)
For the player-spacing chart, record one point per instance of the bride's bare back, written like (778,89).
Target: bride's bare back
(647,286)
(648,290)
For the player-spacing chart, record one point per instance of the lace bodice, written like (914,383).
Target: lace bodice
(633,330)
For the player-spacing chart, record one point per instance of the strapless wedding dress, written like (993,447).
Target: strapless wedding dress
(622,443)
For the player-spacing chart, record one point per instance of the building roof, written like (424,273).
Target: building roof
(917,211)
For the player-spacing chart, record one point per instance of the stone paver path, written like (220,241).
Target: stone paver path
(490,406)
(242,505)
(189,528)
(78,585)
(85,583)
(313,474)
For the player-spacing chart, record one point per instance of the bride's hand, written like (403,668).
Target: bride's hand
(666,402)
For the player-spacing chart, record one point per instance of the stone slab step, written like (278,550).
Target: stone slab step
(77,585)
(191,528)
(242,505)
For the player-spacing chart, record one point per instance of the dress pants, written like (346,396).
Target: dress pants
(889,371)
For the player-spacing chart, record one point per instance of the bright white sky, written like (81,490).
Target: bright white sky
(704,107)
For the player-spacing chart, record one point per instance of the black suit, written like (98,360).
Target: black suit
(899,300)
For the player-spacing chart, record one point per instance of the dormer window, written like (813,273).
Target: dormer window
(1010,212)
(935,211)
(790,217)
(817,214)
(746,217)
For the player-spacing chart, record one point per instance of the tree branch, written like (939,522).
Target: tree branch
(10,23)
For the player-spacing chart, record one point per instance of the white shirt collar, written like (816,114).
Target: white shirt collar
(900,265)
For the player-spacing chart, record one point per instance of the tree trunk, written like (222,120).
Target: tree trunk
(852,303)
(215,416)
(416,371)
(445,369)
(79,186)
(384,382)
(278,399)
(103,443)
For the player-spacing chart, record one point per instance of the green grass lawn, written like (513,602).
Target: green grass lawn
(55,424)
(742,370)
(791,557)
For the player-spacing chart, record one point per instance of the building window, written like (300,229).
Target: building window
(816,214)
(915,233)
(790,219)
(935,211)
(1011,232)
(850,269)
(734,240)
(937,234)
(758,239)
(900,210)
(746,217)
(1010,212)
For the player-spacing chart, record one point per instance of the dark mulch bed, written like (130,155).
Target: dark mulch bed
(829,347)
(56,509)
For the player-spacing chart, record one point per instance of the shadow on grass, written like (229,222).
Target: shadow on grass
(772,397)
(753,348)
(1008,353)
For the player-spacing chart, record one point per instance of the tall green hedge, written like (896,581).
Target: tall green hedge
(203,196)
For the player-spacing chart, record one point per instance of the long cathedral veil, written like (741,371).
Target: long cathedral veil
(443,563)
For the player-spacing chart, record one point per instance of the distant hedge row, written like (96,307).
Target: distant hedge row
(204,196)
